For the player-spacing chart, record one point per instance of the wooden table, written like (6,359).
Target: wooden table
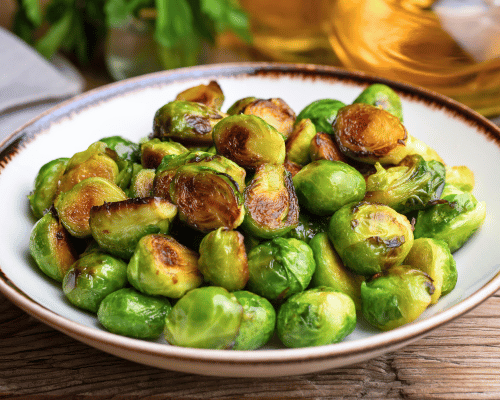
(458,361)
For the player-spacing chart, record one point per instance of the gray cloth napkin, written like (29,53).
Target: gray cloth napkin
(29,84)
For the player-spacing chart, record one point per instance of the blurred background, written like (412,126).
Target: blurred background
(449,46)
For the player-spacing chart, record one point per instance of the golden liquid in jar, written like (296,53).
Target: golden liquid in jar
(405,40)
(291,30)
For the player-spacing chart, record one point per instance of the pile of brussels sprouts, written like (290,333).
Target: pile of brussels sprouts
(222,229)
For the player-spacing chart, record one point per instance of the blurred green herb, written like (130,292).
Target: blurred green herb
(79,26)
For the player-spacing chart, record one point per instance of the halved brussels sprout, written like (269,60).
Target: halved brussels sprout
(434,258)
(380,95)
(73,206)
(206,199)
(118,226)
(92,277)
(124,148)
(162,266)
(208,318)
(280,268)
(142,183)
(316,317)
(130,313)
(239,105)
(409,186)
(186,121)
(153,151)
(370,238)
(51,248)
(96,161)
(223,259)
(249,141)
(396,297)
(322,113)
(453,219)
(46,184)
(298,143)
(330,270)
(292,167)
(309,226)
(370,134)
(210,95)
(271,206)
(324,186)
(460,177)
(258,322)
(323,147)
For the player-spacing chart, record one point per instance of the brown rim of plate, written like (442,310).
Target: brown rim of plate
(374,344)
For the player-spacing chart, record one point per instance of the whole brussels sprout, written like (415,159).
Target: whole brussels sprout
(162,266)
(153,151)
(118,226)
(258,322)
(208,318)
(51,248)
(411,185)
(210,95)
(370,134)
(92,277)
(331,272)
(223,259)
(46,184)
(73,206)
(435,259)
(187,122)
(130,313)
(460,177)
(142,183)
(271,206)
(454,219)
(206,199)
(396,297)
(124,148)
(280,268)
(322,113)
(316,317)
(249,141)
(370,238)
(309,225)
(380,95)
(324,147)
(298,143)
(324,186)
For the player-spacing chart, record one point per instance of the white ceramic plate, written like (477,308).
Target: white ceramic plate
(126,108)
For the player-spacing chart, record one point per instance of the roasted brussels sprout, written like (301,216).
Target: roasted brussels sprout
(92,277)
(271,206)
(370,238)
(124,148)
(316,317)
(223,259)
(396,297)
(380,95)
(280,268)
(460,177)
(322,113)
(331,272)
(323,147)
(298,143)
(249,141)
(276,112)
(187,122)
(258,322)
(162,266)
(207,317)
(206,199)
(411,185)
(118,226)
(153,151)
(434,258)
(309,225)
(130,313)
(453,219)
(73,206)
(210,95)
(239,105)
(51,247)
(292,167)
(370,134)
(324,186)
(45,187)
(142,183)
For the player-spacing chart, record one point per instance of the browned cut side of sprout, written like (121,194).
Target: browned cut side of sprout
(211,95)
(292,167)
(276,112)
(323,147)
